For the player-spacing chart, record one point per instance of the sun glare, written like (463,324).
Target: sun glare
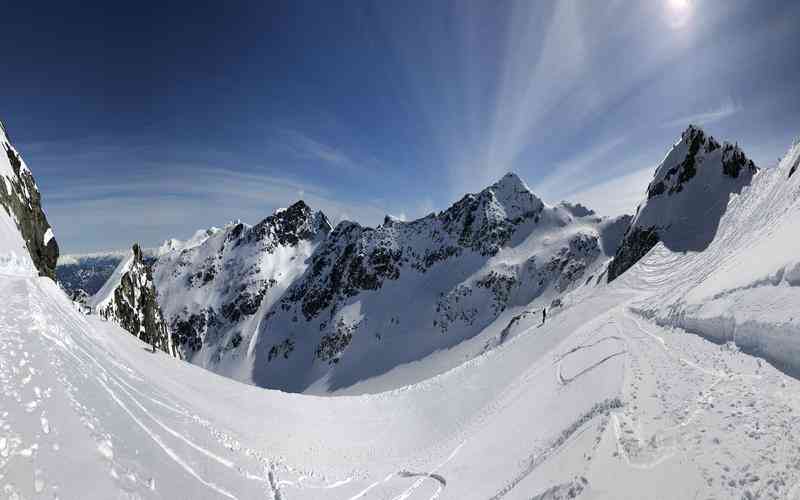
(678,13)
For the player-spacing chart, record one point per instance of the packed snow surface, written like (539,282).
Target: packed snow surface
(611,398)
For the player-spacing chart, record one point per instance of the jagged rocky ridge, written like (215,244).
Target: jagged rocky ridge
(21,200)
(212,287)
(129,299)
(686,198)
(375,298)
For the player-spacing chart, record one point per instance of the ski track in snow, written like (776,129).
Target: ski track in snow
(147,410)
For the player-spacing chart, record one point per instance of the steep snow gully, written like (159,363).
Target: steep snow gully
(611,398)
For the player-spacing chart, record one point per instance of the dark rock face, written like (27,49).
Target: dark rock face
(21,199)
(734,161)
(189,330)
(637,243)
(794,168)
(133,306)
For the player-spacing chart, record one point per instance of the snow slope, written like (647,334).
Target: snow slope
(610,399)
(599,402)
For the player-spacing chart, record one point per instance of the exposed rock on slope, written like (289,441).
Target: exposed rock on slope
(129,299)
(20,199)
(686,199)
(212,287)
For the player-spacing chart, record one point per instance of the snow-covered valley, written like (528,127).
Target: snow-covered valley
(672,381)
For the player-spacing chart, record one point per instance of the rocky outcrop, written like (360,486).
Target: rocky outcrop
(129,299)
(21,200)
(687,197)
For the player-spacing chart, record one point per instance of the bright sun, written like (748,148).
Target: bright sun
(678,5)
(678,13)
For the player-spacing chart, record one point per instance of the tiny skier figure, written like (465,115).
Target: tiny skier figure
(544,315)
(153,343)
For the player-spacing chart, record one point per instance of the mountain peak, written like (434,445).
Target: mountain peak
(511,183)
(513,195)
(298,206)
(687,197)
(691,130)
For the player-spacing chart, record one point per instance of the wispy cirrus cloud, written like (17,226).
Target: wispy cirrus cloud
(177,199)
(727,109)
(308,148)
(616,196)
(576,170)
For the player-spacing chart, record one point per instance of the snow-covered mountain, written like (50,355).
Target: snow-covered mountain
(25,235)
(618,395)
(128,298)
(373,299)
(214,289)
(290,304)
(686,198)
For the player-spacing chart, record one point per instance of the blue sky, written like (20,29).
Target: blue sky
(147,121)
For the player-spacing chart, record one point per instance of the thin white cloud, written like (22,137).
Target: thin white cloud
(725,110)
(567,174)
(180,200)
(306,147)
(617,196)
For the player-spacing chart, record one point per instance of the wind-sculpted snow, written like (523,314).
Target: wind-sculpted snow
(22,219)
